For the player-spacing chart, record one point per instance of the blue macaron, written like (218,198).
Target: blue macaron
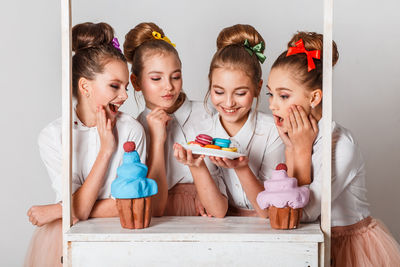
(221,142)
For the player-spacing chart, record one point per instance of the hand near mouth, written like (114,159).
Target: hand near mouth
(105,129)
(302,129)
(157,120)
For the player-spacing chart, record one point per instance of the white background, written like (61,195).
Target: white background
(366,83)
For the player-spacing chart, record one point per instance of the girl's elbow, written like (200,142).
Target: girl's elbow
(81,215)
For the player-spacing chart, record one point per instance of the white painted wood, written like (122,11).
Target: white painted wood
(194,241)
(66,121)
(326,131)
(194,229)
(193,254)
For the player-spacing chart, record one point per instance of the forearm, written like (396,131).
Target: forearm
(289,161)
(156,163)
(252,187)
(85,197)
(211,198)
(104,208)
(301,167)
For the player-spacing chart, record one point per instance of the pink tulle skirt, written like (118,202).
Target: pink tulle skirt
(366,243)
(235,211)
(45,248)
(182,201)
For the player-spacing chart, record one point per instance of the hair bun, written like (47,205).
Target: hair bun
(87,35)
(135,37)
(237,34)
(314,41)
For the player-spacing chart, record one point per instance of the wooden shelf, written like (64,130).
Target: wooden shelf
(194,229)
(193,241)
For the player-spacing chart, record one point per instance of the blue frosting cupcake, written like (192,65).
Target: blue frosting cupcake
(131,181)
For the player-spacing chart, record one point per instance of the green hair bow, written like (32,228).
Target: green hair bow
(255,49)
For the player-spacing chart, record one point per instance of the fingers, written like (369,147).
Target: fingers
(297,116)
(198,161)
(202,211)
(200,208)
(175,147)
(29,213)
(182,154)
(101,118)
(314,123)
(109,125)
(292,119)
(304,117)
(219,162)
(160,115)
(186,156)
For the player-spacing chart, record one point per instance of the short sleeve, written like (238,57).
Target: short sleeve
(50,150)
(138,135)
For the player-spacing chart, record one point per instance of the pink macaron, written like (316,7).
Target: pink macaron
(204,139)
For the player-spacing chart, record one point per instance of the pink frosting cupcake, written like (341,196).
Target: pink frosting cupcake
(283,199)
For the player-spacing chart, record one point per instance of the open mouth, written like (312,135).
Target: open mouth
(230,110)
(278,120)
(114,107)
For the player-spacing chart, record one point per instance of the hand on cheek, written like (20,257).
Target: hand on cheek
(302,129)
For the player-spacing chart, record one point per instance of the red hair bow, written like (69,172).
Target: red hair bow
(299,48)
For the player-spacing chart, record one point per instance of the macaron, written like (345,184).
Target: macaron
(212,146)
(194,143)
(204,139)
(230,149)
(222,142)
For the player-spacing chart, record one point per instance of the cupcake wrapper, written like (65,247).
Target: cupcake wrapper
(284,218)
(134,213)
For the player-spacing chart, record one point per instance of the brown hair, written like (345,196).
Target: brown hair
(232,54)
(91,43)
(298,62)
(139,42)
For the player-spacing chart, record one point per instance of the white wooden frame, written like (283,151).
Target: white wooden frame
(324,247)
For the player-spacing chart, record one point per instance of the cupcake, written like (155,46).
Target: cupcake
(133,191)
(283,199)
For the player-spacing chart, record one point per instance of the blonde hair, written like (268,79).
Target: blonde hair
(232,54)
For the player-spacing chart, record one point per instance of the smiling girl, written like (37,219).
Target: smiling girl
(234,83)
(295,94)
(169,117)
(100,77)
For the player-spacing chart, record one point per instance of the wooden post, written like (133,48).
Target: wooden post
(327,134)
(66,74)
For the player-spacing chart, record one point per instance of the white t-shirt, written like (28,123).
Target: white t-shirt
(86,145)
(349,201)
(187,122)
(259,140)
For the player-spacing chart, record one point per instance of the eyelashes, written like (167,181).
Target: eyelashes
(281,96)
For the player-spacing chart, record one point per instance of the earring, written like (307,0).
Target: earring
(87,94)
(312,105)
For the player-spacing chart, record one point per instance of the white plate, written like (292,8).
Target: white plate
(212,152)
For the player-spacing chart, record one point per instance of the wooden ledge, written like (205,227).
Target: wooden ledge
(193,229)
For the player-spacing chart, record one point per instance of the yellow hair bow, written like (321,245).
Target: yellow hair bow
(157,36)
